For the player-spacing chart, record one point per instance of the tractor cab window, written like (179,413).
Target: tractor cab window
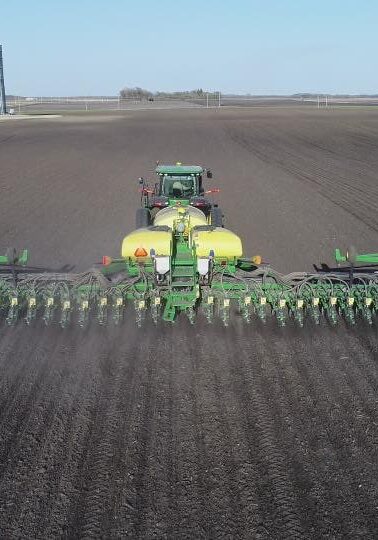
(179,187)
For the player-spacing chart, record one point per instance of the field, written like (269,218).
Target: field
(180,431)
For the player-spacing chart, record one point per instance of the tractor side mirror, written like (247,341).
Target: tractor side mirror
(209,173)
(141,181)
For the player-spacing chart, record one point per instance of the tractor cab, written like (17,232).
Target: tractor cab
(179,181)
(178,187)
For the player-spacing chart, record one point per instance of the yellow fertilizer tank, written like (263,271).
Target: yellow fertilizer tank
(168,216)
(224,243)
(140,242)
(203,237)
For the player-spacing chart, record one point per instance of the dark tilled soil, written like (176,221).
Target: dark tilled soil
(181,431)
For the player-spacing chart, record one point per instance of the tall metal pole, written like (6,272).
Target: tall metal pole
(3,102)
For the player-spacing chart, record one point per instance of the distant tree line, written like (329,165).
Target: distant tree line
(135,93)
(140,94)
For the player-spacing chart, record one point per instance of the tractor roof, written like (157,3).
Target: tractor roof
(179,169)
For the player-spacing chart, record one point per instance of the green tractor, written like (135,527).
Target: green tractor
(178,185)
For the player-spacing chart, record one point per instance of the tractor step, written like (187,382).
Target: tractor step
(182,271)
(182,305)
(184,262)
(188,283)
(184,255)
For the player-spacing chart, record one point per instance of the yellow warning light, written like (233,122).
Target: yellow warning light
(256,259)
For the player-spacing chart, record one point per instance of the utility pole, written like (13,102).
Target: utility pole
(3,102)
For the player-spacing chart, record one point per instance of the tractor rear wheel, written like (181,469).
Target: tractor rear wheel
(352,255)
(216,217)
(11,255)
(142,218)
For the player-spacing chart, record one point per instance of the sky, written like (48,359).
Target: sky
(97,47)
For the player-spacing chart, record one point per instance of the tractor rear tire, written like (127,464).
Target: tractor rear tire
(142,218)
(11,255)
(216,217)
(352,255)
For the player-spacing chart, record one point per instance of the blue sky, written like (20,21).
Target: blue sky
(96,47)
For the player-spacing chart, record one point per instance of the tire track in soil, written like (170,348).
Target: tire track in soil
(337,467)
(281,514)
(293,404)
(323,481)
(97,475)
(45,512)
(165,476)
(241,493)
(30,393)
(141,447)
(30,436)
(218,476)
